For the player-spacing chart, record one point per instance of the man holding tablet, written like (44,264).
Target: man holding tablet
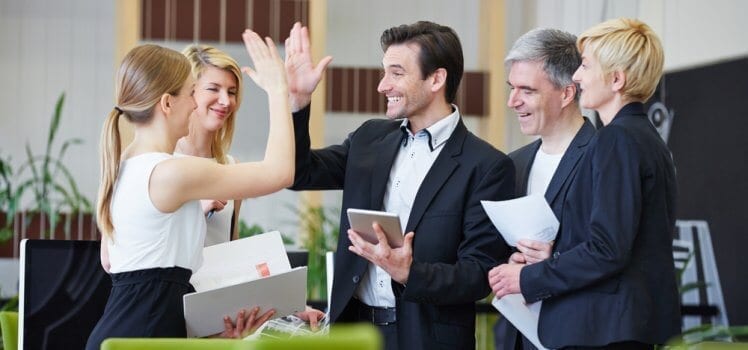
(362,222)
(428,169)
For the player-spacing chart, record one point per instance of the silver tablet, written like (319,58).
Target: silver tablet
(361,221)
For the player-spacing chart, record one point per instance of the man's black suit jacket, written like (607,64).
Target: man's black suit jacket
(611,277)
(555,195)
(455,244)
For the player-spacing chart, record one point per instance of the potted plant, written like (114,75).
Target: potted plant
(45,183)
(320,230)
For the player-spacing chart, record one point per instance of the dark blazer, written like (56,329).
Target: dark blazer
(555,194)
(612,276)
(455,243)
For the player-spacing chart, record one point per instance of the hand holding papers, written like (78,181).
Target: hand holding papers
(527,217)
(530,218)
(243,274)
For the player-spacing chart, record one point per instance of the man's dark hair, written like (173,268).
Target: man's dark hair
(440,48)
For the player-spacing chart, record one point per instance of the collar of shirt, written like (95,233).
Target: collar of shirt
(438,133)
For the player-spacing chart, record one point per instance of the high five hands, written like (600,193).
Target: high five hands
(303,76)
(268,72)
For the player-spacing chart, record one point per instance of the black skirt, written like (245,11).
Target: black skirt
(144,304)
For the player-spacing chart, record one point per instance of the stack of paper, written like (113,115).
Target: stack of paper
(527,217)
(242,274)
(523,316)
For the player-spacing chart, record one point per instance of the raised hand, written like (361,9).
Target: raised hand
(268,73)
(303,76)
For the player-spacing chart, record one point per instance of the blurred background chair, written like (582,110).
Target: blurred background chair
(701,291)
(9,328)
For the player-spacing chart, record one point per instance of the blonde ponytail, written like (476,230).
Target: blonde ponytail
(110,151)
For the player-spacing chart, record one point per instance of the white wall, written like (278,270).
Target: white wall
(50,46)
(693,32)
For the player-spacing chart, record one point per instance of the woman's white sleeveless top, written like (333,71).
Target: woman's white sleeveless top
(145,237)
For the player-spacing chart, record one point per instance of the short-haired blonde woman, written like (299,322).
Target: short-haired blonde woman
(218,92)
(148,205)
(611,283)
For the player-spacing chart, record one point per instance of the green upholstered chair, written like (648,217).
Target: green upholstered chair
(170,344)
(9,327)
(713,345)
(362,337)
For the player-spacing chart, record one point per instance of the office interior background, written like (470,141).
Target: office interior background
(74,46)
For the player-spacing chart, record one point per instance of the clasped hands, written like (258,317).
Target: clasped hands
(396,261)
(504,279)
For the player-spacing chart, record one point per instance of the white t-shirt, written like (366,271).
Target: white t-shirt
(145,237)
(542,171)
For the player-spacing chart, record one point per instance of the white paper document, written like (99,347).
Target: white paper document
(523,316)
(527,217)
(242,274)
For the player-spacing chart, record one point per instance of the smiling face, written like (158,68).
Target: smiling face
(534,98)
(215,95)
(408,94)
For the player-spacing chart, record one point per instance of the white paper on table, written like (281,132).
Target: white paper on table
(241,260)
(524,317)
(528,217)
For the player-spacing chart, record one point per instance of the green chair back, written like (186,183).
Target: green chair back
(345,337)
(353,337)
(170,344)
(9,328)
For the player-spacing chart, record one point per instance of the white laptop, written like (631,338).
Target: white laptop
(244,273)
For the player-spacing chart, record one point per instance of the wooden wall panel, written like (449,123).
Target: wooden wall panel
(220,20)
(236,19)
(184,21)
(210,21)
(354,90)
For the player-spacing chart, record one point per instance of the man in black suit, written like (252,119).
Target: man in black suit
(610,283)
(545,99)
(426,167)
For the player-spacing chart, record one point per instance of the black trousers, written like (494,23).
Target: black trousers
(144,303)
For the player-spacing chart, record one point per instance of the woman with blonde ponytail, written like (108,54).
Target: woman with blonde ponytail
(148,209)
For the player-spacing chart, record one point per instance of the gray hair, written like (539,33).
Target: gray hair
(556,49)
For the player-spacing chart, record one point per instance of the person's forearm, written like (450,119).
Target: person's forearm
(280,150)
(298,101)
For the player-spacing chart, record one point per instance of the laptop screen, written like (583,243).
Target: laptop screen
(63,291)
